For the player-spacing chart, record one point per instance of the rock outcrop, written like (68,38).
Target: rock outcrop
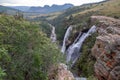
(60,72)
(106,25)
(107,48)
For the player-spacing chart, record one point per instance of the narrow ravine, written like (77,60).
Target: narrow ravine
(73,51)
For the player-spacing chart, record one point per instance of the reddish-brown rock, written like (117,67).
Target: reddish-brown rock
(108,57)
(107,48)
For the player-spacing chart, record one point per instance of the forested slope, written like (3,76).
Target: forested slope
(25,51)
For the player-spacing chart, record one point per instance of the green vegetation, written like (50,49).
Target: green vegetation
(92,78)
(25,51)
(45,28)
(2,74)
(109,8)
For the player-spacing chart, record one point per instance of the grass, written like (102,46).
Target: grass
(48,16)
(109,8)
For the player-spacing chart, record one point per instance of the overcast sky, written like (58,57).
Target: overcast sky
(43,2)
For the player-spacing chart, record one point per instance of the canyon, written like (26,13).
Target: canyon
(106,49)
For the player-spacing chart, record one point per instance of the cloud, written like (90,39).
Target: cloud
(43,2)
(9,1)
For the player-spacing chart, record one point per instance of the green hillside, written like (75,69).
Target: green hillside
(25,51)
(108,8)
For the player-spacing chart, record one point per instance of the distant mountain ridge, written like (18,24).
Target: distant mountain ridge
(49,9)
(21,8)
(5,8)
(45,9)
(8,10)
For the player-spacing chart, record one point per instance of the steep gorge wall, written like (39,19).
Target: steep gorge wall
(107,48)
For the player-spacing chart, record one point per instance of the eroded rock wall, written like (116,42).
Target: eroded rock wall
(107,48)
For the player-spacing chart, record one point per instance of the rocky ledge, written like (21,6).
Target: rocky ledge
(107,48)
(60,72)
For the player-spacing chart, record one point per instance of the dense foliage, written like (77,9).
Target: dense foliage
(2,74)
(25,52)
(45,27)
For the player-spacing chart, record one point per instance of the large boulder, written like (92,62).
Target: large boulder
(60,72)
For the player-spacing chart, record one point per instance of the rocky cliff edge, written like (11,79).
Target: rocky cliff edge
(107,48)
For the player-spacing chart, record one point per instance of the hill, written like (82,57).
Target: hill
(8,10)
(32,12)
(21,8)
(49,9)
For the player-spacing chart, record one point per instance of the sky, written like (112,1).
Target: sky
(44,2)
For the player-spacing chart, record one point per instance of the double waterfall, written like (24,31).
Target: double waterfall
(73,51)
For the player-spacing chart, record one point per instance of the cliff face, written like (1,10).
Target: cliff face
(106,25)
(107,48)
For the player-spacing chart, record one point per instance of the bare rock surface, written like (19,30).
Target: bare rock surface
(60,72)
(107,48)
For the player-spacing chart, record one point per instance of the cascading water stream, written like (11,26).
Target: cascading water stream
(67,34)
(72,52)
(53,35)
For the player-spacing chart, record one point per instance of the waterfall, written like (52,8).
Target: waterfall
(53,35)
(72,52)
(67,34)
